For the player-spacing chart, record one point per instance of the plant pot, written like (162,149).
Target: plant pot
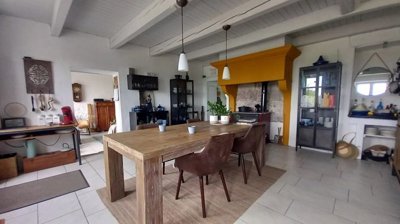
(224,119)
(213,119)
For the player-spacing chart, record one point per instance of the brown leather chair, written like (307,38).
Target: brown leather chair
(188,121)
(146,126)
(211,160)
(249,144)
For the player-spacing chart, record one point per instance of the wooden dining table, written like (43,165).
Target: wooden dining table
(149,148)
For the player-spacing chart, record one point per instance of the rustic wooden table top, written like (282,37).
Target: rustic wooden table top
(150,143)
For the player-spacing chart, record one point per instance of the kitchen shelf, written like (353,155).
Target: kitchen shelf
(379,136)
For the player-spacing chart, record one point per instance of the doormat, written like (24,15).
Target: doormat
(188,208)
(22,195)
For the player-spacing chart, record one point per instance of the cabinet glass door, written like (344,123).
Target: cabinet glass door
(306,127)
(308,88)
(327,83)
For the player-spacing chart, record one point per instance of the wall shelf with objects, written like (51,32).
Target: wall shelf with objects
(378,142)
(142,82)
(318,111)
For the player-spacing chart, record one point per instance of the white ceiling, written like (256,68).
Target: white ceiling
(146,23)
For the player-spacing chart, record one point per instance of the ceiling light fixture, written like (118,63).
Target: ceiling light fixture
(183,63)
(226,74)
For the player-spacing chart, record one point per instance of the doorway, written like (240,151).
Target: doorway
(93,96)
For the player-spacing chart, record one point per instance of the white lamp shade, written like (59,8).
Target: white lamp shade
(226,74)
(183,63)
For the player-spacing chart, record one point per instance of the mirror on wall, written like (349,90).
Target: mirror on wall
(372,81)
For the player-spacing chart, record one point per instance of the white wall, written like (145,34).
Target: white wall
(75,51)
(93,86)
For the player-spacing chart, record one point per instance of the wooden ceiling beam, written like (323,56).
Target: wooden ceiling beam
(148,17)
(60,13)
(290,26)
(237,15)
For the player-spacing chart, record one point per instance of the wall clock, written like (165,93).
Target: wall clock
(77,92)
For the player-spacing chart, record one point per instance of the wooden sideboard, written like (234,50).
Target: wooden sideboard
(105,113)
(396,155)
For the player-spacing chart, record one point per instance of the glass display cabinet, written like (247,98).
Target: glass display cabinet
(182,100)
(318,108)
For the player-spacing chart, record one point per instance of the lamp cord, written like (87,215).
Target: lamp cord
(183,50)
(226,48)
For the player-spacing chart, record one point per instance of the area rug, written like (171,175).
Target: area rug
(33,192)
(188,208)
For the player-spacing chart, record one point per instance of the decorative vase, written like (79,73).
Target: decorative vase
(213,119)
(224,119)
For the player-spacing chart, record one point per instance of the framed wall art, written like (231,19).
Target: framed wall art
(38,76)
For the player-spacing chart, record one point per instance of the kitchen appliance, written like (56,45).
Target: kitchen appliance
(244,109)
(67,115)
(15,122)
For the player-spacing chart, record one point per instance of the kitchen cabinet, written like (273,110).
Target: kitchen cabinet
(318,107)
(105,112)
(395,161)
(182,100)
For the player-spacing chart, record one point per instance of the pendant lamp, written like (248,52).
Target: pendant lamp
(183,63)
(226,74)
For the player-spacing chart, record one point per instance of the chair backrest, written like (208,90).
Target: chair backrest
(146,126)
(252,138)
(188,121)
(216,152)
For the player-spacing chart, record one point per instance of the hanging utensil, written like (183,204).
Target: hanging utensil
(42,101)
(50,103)
(33,104)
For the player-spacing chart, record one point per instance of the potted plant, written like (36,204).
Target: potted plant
(212,108)
(217,109)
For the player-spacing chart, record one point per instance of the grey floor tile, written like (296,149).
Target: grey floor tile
(19,212)
(323,189)
(76,217)
(57,207)
(239,221)
(306,173)
(389,207)
(306,214)
(260,214)
(30,218)
(23,178)
(274,201)
(362,215)
(91,203)
(102,217)
(308,197)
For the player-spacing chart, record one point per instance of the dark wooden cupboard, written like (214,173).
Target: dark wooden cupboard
(105,113)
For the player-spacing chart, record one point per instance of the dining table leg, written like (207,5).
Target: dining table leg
(114,173)
(149,190)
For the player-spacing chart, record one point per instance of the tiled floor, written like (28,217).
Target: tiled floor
(315,189)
